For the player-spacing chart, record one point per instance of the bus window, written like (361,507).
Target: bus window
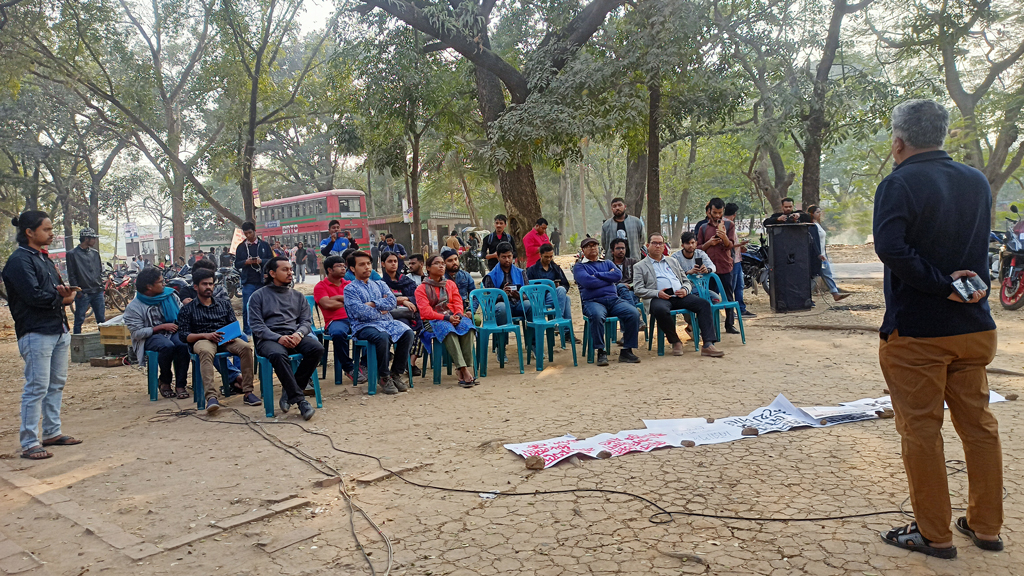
(343,205)
(321,206)
(357,233)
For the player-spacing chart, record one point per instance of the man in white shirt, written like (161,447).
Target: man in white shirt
(663,284)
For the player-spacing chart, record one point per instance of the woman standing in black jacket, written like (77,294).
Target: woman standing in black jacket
(37,297)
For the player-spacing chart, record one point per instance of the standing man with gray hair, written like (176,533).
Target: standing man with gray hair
(931,227)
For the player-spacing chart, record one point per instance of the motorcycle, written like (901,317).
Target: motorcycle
(996,240)
(755,266)
(229,278)
(1011,264)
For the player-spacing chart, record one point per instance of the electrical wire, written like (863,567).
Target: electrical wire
(662,516)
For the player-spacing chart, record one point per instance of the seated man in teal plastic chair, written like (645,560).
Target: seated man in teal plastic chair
(198,325)
(506,276)
(546,269)
(663,284)
(283,325)
(597,280)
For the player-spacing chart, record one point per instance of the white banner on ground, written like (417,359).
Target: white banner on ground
(779,416)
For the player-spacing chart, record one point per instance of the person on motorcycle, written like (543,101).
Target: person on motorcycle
(85,270)
(453,240)
(227,259)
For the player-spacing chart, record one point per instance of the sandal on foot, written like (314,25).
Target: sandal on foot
(910,538)
(62,440)
(165,391)
(993,545)
(182,393)
(465,384)
(37,453)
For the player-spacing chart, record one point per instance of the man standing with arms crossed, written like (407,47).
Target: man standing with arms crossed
(931,227)
(489,248)
(251,256)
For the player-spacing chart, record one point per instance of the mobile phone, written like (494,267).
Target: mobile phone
(966,286)
(698,262)
(513,287)
(670,291)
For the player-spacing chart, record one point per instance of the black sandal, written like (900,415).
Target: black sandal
(165,391)
(465,384)
(182,393)
(910,538)
(37,453)
(993,545)
(62,440)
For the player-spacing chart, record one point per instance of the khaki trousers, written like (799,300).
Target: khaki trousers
(922,373)
(206,350)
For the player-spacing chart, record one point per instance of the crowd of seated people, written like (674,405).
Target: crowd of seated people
(413,303)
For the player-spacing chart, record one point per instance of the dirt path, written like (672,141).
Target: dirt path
(145,476)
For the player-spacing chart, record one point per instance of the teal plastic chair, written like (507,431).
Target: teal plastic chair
(152,377)
(703,284)
(652,327)
(611,326)
(486,299)
(543,323)
(438,358)
(361,347)
(198,389)
(321,335)
(550,312)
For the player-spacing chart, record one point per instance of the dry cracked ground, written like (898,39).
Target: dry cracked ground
(143,482)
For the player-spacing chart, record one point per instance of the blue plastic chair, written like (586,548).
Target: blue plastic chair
(703,284)
(545,322)
(611,326)
(266,375)
(321,335)
(486,299)
(198,389)
(362,346)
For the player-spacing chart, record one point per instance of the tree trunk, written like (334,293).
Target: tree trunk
(369,193)
(654,158)
(636,180)
(560,203)
(517,186)
(684,194)
(473,216)
(414,193)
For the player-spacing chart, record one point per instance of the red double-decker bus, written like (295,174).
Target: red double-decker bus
(305,218)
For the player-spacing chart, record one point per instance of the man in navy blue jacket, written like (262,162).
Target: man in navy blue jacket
(931,227)
(251,258)
(597,280)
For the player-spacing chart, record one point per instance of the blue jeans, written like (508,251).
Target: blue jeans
(380,341)
(82,304)
(737,286)
(46,371)
(628,315)
(626,294)
(339,333)
(519,310)
(247,290)
(300,272)
(170,350)
(826,275)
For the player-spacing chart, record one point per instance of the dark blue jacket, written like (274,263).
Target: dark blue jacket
(932,218)
(553,273)
(31,280)
(597,279)
(252,274)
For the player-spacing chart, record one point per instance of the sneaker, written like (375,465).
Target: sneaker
(306,410)
(602,358)
(626,356)
(212,406)
(748,314)
(711,351)
(416,371)
(251,399)
(387,386)
(284,404)
(360,377)
(399,383)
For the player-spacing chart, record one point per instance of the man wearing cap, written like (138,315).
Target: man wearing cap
(85,270)
(597,280)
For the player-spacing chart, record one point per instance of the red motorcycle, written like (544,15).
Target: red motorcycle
(1011,264)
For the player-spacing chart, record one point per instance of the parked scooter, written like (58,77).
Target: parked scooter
(1011,264)
(755,266)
